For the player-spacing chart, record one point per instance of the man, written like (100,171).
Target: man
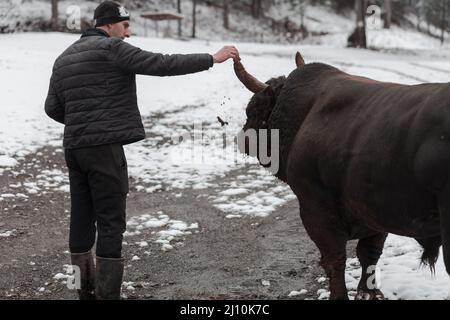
(93,92)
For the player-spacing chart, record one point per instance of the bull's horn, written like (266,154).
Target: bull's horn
(299,61)
(249,81)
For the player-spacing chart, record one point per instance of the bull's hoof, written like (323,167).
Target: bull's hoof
(369,295)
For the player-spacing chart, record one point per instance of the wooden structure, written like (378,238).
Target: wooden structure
(157,17)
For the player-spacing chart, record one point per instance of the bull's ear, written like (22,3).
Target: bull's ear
(299,61)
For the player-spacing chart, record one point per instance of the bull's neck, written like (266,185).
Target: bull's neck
(288,116)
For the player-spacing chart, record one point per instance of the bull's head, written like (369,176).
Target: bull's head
(263,101)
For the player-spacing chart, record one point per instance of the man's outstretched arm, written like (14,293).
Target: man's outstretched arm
(135,60)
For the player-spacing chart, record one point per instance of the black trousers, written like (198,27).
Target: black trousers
(98,189)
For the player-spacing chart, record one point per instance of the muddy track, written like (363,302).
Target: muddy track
(224,259)
(446,71)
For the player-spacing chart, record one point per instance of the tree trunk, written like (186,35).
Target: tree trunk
(256,8)
(444,19)
(55,15)
(419,21)
(358,37)
(387,14)
(253,8)
(226,14)
(180,33)
(302,14)
(194,17)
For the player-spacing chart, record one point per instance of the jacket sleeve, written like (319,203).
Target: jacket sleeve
(132,59)
(53,107)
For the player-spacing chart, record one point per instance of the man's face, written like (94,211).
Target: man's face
(119,30)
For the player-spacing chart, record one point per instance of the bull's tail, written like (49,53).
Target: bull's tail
(430,251)
(444,215)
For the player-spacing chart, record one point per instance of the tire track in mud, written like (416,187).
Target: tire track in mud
(446,71)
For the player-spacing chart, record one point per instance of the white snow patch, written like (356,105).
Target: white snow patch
(265,283)
(7,195)
(297,293)
(6,161)
(7,233)
(400,274)
(233,192)
(175,230)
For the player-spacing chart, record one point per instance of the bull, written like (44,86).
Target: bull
(365,158)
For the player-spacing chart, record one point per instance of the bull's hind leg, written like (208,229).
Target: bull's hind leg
(321,222)
(333,256)
(368,252)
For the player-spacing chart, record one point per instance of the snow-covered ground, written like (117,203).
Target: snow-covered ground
(181,106)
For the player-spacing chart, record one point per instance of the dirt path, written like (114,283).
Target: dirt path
(222,259)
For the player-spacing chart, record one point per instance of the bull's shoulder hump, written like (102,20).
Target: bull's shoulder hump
(312,71)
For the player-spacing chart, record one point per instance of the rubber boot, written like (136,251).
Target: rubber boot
(109,273)
(85,262)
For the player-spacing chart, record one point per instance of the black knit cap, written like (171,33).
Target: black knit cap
(110,12)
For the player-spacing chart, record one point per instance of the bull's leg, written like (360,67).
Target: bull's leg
(368,252)
(333,261)
(319,220)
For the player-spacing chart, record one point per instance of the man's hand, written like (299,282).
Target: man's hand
(226,53)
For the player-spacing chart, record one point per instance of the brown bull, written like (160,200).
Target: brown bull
(365,158)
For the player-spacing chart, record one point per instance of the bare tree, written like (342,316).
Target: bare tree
(443,19)
(302,8)
(358,38)
(55,15)
(387,13)
(194,17)
(179,21)
(256,8)
(226,14)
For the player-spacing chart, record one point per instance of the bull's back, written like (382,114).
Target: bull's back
(360,142)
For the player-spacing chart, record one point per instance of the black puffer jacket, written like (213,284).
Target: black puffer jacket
(93,88)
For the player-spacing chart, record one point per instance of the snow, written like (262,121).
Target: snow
(232,192)
(8,195)
(40,183)
(400,274)
(296,293)
(143,244)
(265,283)
(7,233)
(61,276)
(323,294)
(25,66)
(255,194)
(401,38)
(173,233)
(7,161)
(321,279)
